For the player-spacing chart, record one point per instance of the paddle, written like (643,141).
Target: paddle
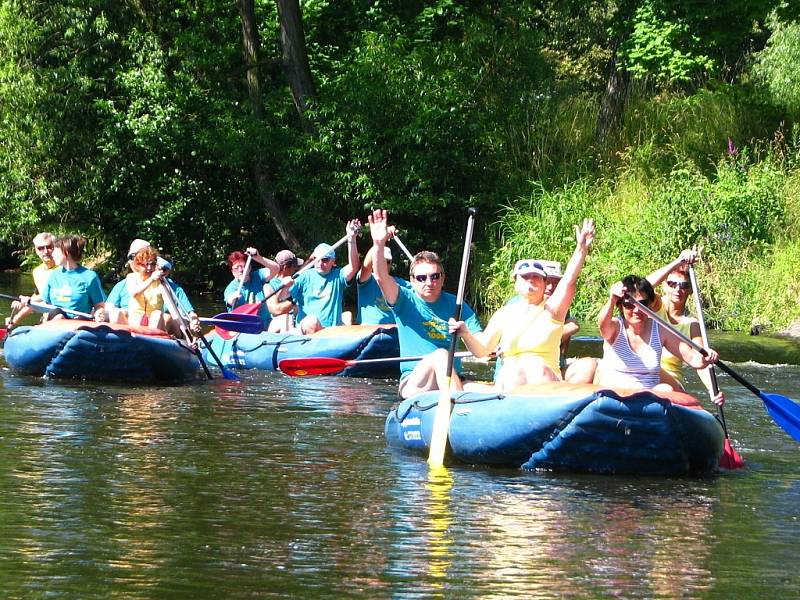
(235,322)
(3,334)
(402,247)
(253,308)
(172,303)
(245,273)
(784,411)
(730,459)
(43,307)
(324,365)
(441,419)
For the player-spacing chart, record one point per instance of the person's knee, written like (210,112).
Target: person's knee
(310,324)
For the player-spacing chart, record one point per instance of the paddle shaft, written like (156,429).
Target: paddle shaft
(245,273)
(49,307)
(172,304)
(402,247)
(441,421)
(669,328)
(698,306)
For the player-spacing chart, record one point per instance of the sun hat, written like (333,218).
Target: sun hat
(528,266)
(137,245)
(163,264)
(323,250)
(552,268)
(287,257)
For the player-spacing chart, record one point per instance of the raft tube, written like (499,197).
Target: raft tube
(348,342)
(564,427)
(73,349)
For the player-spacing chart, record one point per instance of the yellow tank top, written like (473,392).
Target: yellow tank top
(149,300)
(530,330)
(669,362)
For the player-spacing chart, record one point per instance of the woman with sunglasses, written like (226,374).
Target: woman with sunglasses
(633,341)
(671,305)
(527,334)
(146,302)
(71,285)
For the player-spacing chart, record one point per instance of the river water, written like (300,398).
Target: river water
(279,487)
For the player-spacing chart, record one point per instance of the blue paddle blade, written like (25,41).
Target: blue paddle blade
(233,322)
(784,412)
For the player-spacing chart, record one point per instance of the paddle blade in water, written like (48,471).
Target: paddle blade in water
(308,367)
(730,458)
(784,412)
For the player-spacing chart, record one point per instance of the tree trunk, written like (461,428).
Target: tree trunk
(251,46)
(295,58)
(612,104)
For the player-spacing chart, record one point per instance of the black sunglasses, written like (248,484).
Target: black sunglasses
(433,277)
(629,305)
(681,285)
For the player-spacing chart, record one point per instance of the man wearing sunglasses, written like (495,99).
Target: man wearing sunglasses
(319,292)
(421,313)
(43,244)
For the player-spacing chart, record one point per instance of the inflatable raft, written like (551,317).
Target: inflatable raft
(563,427)
(349,342)
(75,349)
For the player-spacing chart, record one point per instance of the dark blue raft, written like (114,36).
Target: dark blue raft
(75,349)
(348,342)
(563,427)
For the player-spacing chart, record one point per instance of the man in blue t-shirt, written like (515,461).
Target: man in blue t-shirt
(422,313)
(319,292)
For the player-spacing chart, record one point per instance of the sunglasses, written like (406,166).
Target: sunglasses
(43,248)
(325,260)
(433,277)
(681,285)
(630,305)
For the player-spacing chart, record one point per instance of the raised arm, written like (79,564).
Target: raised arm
(605,319)
(353,260)
(687,256)
(264,262)
(559,302)
(379,230)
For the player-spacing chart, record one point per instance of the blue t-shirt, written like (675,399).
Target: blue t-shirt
(320,295)
(78,289)
(252,291)
(119,295)
(372,306)
(180,295)
(422,326)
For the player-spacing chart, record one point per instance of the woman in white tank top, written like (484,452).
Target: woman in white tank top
(633,341)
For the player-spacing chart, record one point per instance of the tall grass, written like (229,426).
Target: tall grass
(718,169)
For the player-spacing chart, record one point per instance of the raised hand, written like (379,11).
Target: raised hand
(584,234)
(379,225)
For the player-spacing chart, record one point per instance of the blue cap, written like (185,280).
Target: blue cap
(163,264)
(323,250)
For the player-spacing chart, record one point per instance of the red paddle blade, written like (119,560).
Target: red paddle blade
(730,458)
(248,309)
(3,334)
(308,367)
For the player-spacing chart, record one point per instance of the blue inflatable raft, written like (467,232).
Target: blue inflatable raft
(348,342)
(563,427)
(75,349)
